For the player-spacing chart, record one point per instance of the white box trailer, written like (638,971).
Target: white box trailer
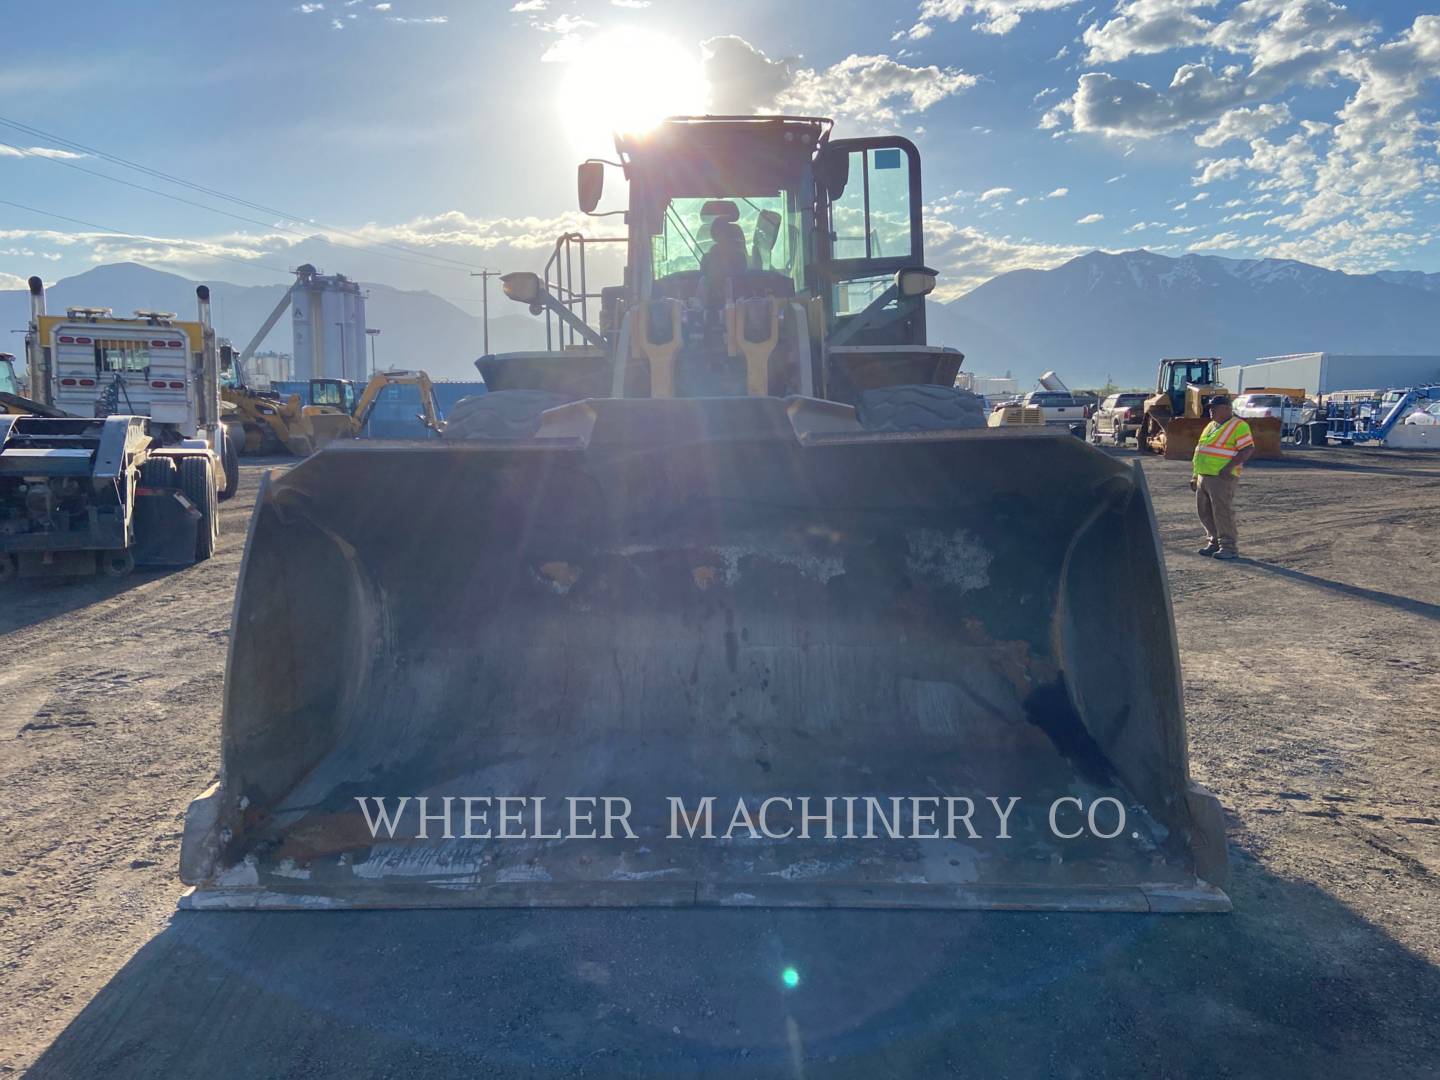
(1324,373)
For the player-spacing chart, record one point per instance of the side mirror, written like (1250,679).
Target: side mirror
(916,281)
(590,180)
(833,170)
(767,231)
(522,286)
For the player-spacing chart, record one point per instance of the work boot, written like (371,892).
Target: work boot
(1226,556)
(1209,550)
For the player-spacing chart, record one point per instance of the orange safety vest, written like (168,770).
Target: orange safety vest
(1218,444)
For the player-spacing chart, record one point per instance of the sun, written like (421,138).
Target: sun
(627,80)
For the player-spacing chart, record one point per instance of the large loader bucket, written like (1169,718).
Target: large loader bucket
(913,670)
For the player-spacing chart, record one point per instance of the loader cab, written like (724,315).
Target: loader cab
(721,208)
(1177,375)
(334,394)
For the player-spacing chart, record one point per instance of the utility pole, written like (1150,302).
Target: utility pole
(373,335)
(485,276)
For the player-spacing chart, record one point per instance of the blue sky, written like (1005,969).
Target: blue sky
(409,141)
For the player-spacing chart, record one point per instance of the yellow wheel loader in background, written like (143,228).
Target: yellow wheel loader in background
(276,425)
(12,401)
(735,603)
(1176,416)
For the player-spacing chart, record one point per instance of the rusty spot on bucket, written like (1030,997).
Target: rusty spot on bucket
(704,576)
(561,575)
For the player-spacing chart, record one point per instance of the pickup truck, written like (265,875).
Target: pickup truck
(1118,418)
(1060,409)
(1292,414)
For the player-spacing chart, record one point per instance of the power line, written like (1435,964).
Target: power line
(215,193)
(225,213)
(183,244)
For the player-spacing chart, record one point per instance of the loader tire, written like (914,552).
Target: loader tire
(230,461)
(117,564)
(197,481)
(919,408)
(158,472)
(503,414)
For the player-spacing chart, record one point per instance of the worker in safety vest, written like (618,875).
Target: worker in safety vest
(1224,447)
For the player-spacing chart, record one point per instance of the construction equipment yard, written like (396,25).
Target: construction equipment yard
(1311,674)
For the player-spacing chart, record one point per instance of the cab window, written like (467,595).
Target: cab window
(121,356)
(873,217)
(769,226)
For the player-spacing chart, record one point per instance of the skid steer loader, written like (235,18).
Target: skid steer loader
(736,602)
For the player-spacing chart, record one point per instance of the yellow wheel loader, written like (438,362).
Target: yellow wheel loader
(12,401)
(1176,415)
(735,603)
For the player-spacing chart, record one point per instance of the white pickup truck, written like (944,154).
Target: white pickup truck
(1059,408)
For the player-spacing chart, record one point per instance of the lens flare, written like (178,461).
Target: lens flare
(627,80)
(790,977)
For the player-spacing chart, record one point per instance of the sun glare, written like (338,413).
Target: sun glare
(627,80)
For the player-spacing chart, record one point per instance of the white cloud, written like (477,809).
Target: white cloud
(995,16)
(995,193)
(875,89)
(1349,184)
(530,5)
(420,20)
(1090,219)
(39,152)
(382,7)
(1213,169)
(1146,26)
(1243,123)
(1288,43)
(630,3)
(1058,193)
(967,257)
(310,9)
(12,281)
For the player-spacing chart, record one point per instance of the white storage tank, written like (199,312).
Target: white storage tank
(328,314)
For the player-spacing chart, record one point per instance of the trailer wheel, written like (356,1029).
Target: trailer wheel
(501,414)
(116,564)
(197,481)
(157,472)
(230,459)
(919,408)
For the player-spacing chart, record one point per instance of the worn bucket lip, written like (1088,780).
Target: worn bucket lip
(1199,897)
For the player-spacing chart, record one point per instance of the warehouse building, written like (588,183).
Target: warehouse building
(1330,373)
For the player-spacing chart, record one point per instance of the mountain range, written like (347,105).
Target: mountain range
(417,329)
(1098,318)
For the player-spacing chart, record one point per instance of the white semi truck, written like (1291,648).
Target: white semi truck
(131,471)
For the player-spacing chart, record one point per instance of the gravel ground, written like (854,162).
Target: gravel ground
(1312,678)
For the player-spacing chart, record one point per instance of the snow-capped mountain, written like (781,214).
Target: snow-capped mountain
(1110,316)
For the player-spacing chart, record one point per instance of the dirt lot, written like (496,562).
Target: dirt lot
(1312,674)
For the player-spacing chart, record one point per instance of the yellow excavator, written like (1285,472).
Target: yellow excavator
(283,424)
(733,600)
(1177,414)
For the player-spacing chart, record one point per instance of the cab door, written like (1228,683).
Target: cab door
(871,202)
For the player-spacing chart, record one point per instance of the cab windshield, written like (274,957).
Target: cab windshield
(769,233)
